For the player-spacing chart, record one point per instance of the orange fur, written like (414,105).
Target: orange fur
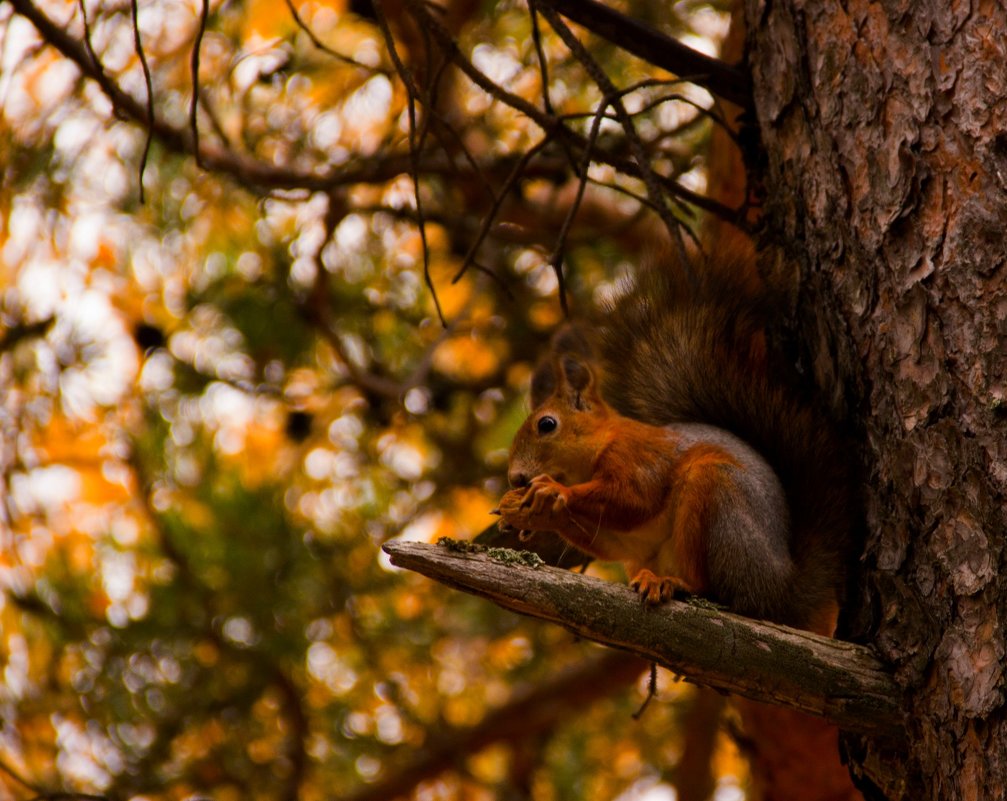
(619,489)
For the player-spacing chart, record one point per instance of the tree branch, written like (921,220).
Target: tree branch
(662,51)
(530,712)
(840,681)
(249,172)
(613,98)
(550,124)
(257,175)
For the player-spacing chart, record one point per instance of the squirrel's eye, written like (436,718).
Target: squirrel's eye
(547,424)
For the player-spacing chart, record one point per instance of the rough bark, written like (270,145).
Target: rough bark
(762,661)
(885,130)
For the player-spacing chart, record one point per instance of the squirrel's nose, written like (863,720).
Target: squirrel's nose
(517,479)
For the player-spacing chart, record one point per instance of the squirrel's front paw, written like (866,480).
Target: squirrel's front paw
(546,496)
(541,506)
(512,515)
(654,589)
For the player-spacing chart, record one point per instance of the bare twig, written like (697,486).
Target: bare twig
(138,44)
(446,42)
(651,692)
(508,185)
(614,98)
(643,201)
(215,123)
(492,274)
(443,129)
(556,260)
(709,113)
(194,65)
(318,43)
(646,83)
(87,38)
(428,97)
(654,47)
(415,142)
(543,64)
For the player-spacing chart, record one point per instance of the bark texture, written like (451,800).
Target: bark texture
(885,129)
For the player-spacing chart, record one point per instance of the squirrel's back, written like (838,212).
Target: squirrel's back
(681,348)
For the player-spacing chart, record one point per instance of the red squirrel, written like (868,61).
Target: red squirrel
(662,436)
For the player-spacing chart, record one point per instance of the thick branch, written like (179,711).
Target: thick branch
(662,51)
(840,681)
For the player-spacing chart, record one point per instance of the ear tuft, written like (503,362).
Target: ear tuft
(572,339)
(566,370)
(543,382)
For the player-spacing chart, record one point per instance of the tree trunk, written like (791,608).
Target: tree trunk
(885,128)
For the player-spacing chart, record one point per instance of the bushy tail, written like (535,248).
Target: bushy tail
(681,348)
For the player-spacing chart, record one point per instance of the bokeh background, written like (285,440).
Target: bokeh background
(255,325)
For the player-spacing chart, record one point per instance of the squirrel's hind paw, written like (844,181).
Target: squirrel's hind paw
(654,589)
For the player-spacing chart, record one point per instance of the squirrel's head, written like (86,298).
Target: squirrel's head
(565,432)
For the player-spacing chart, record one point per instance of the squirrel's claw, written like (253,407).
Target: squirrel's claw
(654,589)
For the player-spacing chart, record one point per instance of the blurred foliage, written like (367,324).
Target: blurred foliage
(217,404)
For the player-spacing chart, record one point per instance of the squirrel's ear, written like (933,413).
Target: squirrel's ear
(566,371)
(578,380)
(543,382)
